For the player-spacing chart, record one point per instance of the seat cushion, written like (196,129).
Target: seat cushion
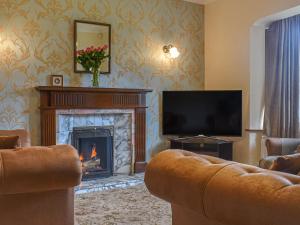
(287,163)
(9,142)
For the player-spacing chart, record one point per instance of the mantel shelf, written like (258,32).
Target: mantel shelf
(91,89)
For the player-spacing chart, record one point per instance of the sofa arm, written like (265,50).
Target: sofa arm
(227,192)
(36,169)
(180,176)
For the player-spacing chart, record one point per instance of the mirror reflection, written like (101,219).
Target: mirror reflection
(89,34)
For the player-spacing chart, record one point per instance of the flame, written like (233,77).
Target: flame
(81,158)
(94,152)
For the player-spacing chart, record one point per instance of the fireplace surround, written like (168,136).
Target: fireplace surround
(53,99)
(120,122)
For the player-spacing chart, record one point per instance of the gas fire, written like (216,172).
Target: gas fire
(92,163)
(81,157)
(93,154)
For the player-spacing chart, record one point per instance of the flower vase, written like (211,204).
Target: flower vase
(95,79)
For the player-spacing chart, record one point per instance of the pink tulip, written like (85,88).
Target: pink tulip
(80,52)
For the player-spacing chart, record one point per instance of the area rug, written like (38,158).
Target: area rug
(129,206)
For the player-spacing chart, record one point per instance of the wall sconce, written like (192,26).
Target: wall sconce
(171,51)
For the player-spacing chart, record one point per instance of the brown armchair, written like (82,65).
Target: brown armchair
(37,183)
(277,147)
(205,190)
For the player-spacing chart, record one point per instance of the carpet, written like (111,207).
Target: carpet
(129,206)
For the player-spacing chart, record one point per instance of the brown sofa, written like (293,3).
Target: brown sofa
(277,147)
(36,183)
(204,190)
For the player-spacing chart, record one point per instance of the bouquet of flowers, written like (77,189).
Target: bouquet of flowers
(91,59)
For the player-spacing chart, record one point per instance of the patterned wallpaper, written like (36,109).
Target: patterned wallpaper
(36,39)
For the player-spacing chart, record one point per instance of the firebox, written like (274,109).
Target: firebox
(95,149)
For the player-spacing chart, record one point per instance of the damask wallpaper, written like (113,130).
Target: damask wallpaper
(36,40)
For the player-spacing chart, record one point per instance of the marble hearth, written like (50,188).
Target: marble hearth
(120,120)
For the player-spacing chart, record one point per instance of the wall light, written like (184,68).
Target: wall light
(171,51)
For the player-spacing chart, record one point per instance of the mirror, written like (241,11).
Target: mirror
(87,34)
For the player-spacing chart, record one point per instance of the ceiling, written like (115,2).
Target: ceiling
(202,2)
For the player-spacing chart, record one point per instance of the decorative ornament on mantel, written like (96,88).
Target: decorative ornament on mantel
(91,59)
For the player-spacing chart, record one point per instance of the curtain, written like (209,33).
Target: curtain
(282,78)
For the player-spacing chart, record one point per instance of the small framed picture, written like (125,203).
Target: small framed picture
(57,80)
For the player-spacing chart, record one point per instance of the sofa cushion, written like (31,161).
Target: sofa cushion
(22,133)
(287,163)
(267,162)
(9,142)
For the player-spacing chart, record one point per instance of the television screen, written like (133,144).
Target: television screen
(211,113)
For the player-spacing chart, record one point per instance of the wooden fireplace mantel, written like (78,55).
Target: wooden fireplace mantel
(55,98)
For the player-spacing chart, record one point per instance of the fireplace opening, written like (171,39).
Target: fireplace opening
(95,149)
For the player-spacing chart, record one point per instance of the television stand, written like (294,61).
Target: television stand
(204,145)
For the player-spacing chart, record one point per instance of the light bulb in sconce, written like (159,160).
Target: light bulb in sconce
(171,51)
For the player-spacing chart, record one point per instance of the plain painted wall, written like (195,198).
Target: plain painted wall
(228,25)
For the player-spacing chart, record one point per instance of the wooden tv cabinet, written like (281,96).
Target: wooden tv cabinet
(204,145)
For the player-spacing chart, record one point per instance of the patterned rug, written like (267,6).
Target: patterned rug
(129,206)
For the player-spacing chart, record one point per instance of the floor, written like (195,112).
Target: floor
(119,200)
(121,206)
(113,182)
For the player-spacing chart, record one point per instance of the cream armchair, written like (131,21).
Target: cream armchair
(278,147)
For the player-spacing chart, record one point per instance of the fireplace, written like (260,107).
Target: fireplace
(55,101)
(95,149)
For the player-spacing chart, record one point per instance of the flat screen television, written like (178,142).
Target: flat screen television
(211,113)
